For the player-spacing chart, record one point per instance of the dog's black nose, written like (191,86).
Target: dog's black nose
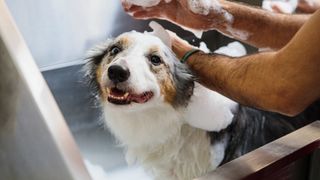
(118,74)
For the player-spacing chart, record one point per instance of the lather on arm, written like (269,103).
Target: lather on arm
(252,25)
(286,81)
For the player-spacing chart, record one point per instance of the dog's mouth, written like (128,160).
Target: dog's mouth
(120,97)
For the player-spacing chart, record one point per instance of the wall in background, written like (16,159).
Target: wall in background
(59,32)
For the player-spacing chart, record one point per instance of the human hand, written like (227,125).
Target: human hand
(179,12)
(308,6)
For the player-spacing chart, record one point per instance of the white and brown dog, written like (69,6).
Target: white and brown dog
(152,105)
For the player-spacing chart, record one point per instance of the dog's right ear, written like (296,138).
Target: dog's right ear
(161,33)
(92,61)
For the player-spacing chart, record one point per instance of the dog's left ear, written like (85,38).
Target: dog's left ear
(184,81)
(92,60)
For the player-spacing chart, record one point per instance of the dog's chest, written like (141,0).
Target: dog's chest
(184,156)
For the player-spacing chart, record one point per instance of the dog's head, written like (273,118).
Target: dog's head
(136,71)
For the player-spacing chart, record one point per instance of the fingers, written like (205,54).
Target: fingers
(132,8)
(125,5)
(145,15)
(141,12)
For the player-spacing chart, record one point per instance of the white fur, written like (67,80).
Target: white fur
(155,133)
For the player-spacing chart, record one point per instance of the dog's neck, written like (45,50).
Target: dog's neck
(149,127)
(206,110)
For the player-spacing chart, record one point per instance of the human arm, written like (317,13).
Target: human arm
(285,81)
(248,24)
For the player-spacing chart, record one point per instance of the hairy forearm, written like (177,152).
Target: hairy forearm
(259,80)
(243,79)
(256,26)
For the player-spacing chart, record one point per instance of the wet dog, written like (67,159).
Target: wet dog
(149,100)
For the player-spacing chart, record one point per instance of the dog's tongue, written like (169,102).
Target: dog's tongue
(137,98)
(117,92)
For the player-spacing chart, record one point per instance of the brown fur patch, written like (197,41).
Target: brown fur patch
(168,89)
(124,41)
(165,79)
(99,73)
(154,49)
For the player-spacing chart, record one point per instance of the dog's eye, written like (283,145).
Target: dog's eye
(115,50)
(155,60)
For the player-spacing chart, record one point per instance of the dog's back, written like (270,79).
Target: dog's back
(252,128)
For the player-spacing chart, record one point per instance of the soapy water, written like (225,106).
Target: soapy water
(286,6)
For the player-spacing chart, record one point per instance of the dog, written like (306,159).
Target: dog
(150,102)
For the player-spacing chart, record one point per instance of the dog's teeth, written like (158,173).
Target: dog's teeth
(126,94)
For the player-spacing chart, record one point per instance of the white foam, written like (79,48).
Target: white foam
(203,47)
(204,7)
(234,49)
(145,3)
(286,6)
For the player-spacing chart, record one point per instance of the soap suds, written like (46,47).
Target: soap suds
(286,6)
(203,47)
(234,49)
(143,3)
(204,7)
